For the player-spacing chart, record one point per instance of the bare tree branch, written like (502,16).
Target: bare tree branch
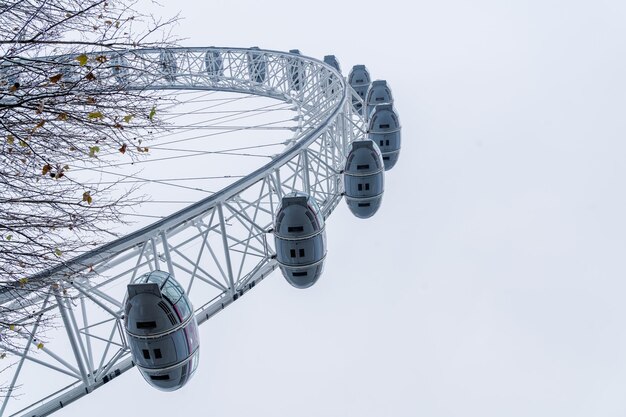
(64,113)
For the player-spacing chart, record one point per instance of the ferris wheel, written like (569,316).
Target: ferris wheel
(295,137)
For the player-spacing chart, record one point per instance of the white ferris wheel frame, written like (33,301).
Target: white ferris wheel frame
(228,229)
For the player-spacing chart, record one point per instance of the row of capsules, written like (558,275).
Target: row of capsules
(160,326)
(159,320)
(299,229)
(167,66)
(376,152)
(161,329)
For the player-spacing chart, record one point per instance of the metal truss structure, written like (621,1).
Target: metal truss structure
(218,248)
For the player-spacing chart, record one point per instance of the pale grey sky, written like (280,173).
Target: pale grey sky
(491,282)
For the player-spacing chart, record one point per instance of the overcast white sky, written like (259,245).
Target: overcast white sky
(491,282)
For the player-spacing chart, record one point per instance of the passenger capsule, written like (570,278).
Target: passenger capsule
(119,68)
(296,71)
(214,64)
(384,130)
(9,82)
(300,239)
(69,70)
(162,330)
(359,79)
(329,87)
(332,61)
(168,65)
(378,93)
(9,75)
(363,178)
(257,65)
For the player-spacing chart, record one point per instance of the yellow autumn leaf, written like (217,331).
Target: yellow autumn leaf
(82,59)
(39,345)
(128,118)
(87,197)
(12,327)
(10,139)
(95,115)
(93,150)
(58,252)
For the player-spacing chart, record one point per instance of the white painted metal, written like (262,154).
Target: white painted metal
(218,247)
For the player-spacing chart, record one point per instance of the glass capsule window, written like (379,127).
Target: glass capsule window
(183,308)
(172,291)
(194,361)
(191,334)
(314,205)
(158,277)
(175,283)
